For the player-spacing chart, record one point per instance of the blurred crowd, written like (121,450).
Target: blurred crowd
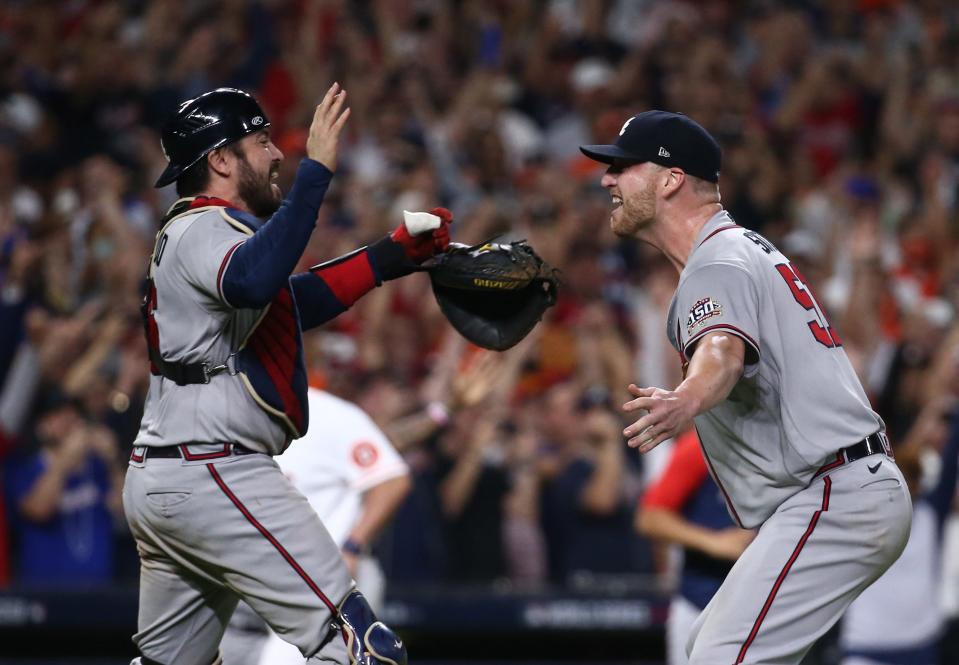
(839,121)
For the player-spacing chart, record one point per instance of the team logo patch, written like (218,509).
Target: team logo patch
(702,311)
(365,454)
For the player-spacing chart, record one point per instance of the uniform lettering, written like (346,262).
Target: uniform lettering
(819,327)
(763,244)
(161,245)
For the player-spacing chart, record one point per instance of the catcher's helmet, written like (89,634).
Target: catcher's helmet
(206,123)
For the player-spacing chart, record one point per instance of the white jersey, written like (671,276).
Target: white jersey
(343,455)
(799,401)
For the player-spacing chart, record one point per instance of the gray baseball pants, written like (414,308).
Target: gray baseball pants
(214,529)
(820,549)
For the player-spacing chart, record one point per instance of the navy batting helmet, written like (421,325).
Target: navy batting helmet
(206,123)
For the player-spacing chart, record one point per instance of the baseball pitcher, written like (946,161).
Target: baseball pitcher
(786,429)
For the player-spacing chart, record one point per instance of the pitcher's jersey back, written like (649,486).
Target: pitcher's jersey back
(799,400)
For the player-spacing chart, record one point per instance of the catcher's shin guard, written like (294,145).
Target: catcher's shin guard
(368,640)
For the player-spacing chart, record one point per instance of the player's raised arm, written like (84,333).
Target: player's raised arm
(261,266)
(716,366)
(328,120)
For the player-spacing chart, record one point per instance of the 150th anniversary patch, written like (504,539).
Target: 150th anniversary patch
(702,311)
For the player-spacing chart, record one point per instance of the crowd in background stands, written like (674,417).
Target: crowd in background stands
(840,126)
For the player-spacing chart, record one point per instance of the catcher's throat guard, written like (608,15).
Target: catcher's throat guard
(493,294)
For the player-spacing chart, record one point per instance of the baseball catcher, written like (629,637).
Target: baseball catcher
(493,294)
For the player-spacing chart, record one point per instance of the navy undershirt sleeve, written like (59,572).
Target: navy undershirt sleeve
(262,265)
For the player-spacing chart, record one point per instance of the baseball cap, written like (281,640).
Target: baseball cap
(664,138)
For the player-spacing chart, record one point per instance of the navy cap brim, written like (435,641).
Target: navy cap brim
(607,154)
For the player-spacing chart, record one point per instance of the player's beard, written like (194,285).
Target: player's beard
(636,213)
(260,195)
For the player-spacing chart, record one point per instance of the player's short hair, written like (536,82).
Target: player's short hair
(195,179)
(705,188)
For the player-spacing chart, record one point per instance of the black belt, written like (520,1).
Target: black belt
(184,374)
(183,452)
(871,445)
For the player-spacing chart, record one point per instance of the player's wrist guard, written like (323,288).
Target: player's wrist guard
(389,260)
(351,546)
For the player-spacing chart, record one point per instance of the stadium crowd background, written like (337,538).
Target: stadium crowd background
(840,126)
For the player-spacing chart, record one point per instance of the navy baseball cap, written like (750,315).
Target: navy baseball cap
(667,139)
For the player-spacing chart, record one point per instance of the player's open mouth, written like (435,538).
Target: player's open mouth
(617,202)
(274,175)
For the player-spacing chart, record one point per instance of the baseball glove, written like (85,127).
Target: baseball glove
(493,294)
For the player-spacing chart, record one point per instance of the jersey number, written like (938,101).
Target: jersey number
(819,327)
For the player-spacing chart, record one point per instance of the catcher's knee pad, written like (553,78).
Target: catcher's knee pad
(368,640)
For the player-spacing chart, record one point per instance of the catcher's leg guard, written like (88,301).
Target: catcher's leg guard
(368,640)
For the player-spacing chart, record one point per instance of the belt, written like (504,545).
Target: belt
(184,374)
(183,451)
(871,445)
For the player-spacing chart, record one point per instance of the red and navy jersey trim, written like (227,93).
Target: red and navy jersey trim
(721,229)
(827,484)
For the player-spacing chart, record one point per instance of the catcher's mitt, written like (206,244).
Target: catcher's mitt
(493,294)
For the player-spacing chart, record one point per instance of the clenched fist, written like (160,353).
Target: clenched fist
(424,234)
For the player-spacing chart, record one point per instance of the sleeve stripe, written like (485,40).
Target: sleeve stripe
(349,279)
(720,326)
(222,270)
